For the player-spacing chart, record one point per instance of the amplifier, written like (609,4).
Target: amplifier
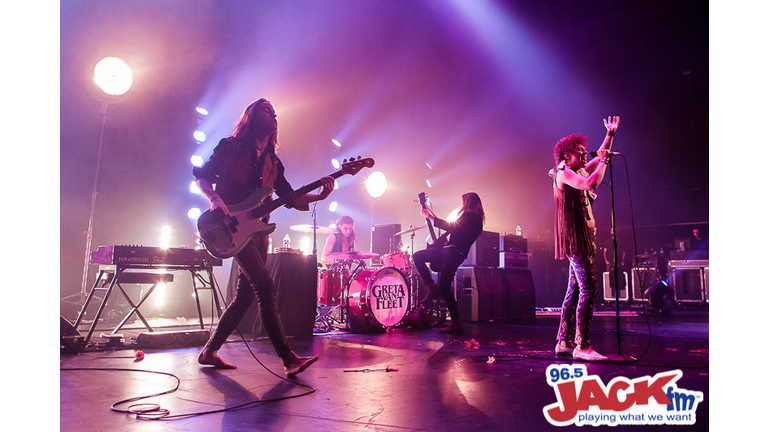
(513,260)
(689,280)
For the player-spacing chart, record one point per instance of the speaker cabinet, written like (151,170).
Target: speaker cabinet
(485,251)
(384,240)
(295,277)
(486,293)
(642,279)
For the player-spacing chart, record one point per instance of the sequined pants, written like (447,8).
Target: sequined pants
(254,282)
(579,302)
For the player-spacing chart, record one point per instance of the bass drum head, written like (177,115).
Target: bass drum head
(377,300)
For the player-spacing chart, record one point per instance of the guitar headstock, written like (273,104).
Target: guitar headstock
(423,199)
(353,166)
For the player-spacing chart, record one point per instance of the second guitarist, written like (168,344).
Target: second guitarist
(461,235)
(243,163)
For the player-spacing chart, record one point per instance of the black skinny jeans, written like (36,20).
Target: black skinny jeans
(450,259)
(254,282)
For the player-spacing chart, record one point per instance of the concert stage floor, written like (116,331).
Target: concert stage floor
(439,382)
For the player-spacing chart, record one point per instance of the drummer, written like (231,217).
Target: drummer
(343,240)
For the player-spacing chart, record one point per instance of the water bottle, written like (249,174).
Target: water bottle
(269,248)
(287,242)
(519,231)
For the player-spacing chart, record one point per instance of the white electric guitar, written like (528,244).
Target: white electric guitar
(224,236)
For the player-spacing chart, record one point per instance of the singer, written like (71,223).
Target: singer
(575,179)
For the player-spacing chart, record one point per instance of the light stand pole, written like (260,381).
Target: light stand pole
(112,78)
(89,233)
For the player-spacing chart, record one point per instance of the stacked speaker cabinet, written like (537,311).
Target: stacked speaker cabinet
(514,251)
(488,293)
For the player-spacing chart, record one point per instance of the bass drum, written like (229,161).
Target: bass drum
(377,299)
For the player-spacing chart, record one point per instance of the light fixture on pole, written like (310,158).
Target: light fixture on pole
(113,78)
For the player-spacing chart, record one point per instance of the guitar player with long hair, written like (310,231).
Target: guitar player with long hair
(243,164)
(447,254)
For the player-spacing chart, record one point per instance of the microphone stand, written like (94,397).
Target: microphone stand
(618,357)
(314,228)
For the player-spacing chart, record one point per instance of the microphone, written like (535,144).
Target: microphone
(610,153)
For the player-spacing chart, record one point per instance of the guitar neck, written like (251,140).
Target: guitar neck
(271,206)
(423,201)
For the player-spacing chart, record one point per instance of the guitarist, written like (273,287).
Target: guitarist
(242,163)
(461,235)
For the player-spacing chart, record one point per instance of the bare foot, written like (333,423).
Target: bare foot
(211,358)
(298,364)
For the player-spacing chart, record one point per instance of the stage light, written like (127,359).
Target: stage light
(199,136)
(159,296)
(454,215)
(113,76)
(336,142)
(202,111)
(428,165)
(335,163)
(376,184)
(334,205)
(194,213)
(197,160)
(194,188)
(429,184)
(165,237)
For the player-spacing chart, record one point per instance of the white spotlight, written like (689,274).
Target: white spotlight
(453,216)
(194,188)
(336,142)
(334,205)
(335,163)
(202,111)
(429,184)
(196,160)
(194,213)
(113,76)
(376,184)
(199,136)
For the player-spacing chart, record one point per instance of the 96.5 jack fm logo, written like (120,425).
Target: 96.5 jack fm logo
(584,399)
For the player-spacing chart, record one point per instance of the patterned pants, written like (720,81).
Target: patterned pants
(579,302)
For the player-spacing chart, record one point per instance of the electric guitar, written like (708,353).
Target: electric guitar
(224,236)
(438,243)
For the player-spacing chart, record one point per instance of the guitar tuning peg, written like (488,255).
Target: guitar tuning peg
(345,161)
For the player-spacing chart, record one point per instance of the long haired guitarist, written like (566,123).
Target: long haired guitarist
(242,164)
(461,235)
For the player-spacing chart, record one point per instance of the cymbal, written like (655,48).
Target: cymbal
(410,230)
(352,255)
(308,229)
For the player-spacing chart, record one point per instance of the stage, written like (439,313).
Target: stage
(493,377)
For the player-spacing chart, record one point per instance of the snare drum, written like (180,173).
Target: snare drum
(329,283)
(398,260)
(376,299)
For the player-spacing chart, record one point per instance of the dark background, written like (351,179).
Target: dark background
(480,91)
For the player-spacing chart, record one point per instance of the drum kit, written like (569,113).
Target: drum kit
(353,294)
